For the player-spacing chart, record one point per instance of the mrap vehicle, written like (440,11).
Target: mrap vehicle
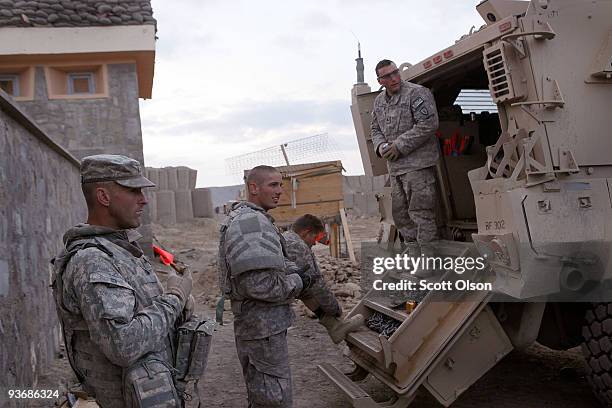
(528,185)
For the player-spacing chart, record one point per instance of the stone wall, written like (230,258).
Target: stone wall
(92,126)
(95,126)
(41,198)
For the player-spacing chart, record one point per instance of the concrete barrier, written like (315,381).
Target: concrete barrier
(163,180)
(182,174)
(202,203)
(172,173)
(193,178)
(184,207)
(151,196)
(166,207)
(153,175)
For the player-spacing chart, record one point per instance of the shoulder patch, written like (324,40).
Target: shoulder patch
(417,102)
(249,225)
(424,111)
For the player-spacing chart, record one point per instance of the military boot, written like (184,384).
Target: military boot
(339,328)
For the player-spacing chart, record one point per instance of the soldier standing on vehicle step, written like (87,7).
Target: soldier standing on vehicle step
(404,122)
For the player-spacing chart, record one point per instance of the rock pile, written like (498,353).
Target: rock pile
(342,277)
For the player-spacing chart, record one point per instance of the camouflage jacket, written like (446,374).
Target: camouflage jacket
(409,120)
(112,307)
(299,252)
(253,272)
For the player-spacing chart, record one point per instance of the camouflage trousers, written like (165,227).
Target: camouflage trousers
(413,205)
(265,367)
(319,296)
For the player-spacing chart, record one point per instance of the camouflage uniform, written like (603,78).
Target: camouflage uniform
(253,274)
(112,308)
(409,120)
(299,252)
(113,311)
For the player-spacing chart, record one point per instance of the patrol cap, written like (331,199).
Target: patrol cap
(113,167)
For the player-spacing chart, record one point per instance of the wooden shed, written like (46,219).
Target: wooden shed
(315,188)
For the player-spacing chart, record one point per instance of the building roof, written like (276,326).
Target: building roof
(72,13)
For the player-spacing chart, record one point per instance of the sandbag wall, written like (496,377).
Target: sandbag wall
(175,198)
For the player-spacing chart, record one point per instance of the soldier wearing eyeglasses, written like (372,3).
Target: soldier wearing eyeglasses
(404,122)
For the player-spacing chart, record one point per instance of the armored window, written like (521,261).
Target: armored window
(81,83)
(10,84)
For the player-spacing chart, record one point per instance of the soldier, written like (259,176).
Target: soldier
(261,285)
(404,122)
(116,318)
(304,233)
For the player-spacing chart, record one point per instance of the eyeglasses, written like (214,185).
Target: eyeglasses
(389,75)
(322,238)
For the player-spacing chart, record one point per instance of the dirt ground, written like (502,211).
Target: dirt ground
(533,378)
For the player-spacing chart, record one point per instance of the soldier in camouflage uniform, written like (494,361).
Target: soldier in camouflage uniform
(404,122)
(113,310)
(261,284)
(304,233)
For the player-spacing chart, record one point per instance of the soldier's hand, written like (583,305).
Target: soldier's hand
(180,285)
(382,147)
(391,153)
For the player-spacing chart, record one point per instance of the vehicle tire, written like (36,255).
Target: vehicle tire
(597,350)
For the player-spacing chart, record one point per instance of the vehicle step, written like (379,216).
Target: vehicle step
(366,340)
(398,315)
(356,395)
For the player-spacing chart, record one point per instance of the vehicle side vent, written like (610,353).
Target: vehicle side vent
(505,79)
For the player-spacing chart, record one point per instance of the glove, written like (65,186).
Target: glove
(391,152)
(180,285)
(381,148)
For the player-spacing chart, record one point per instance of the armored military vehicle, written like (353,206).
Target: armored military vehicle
(528,185)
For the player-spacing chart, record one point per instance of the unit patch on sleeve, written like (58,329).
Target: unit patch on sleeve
(417,102)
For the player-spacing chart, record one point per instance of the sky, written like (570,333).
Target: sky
(236,77)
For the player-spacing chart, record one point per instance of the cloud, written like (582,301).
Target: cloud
(315,20)
(251,117)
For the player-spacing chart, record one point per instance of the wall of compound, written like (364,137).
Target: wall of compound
(40,199)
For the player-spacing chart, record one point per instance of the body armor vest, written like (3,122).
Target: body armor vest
(99,376)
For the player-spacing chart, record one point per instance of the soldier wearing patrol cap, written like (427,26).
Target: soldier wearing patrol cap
(261,284)
(117,320)
(404,122)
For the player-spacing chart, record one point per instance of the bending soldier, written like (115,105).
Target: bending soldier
(404,122)
(259,281)
(304,233)
(117,320)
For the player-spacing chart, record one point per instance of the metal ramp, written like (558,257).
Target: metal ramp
(435,345)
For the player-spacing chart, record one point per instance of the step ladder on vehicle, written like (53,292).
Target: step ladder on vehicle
(435,344)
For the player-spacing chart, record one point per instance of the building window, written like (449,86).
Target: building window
(76,81)
(10,84)
(81,83)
